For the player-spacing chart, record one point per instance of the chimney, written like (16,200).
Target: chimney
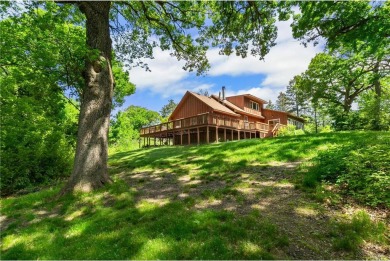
(223,93)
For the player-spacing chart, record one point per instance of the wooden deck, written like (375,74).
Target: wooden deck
(205,119)
(205,128)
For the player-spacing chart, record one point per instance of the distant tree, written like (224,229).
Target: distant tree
(270,105)
(282,103)
(128,124)
(297,100)
(203,92)
(167,109)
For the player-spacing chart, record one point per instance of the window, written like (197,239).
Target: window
(254,105)
(297,124)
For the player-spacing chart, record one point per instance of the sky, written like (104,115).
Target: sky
(262,78)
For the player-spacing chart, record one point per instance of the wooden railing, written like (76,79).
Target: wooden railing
(252,111)
(206,119)
(275,130)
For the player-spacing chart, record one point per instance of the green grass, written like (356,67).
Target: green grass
(110,225)
(196,202)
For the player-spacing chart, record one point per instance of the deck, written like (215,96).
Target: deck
(206,128)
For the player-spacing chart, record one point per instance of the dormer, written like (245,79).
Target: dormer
(248,103)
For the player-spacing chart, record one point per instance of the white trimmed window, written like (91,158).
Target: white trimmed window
(254,105)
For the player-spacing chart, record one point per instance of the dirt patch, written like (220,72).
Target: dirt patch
(268,189)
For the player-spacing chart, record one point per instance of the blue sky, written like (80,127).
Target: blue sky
(265,79)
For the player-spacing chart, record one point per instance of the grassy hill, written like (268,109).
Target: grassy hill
(254,199)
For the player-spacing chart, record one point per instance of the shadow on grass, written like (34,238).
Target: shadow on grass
(250,214)
(199,202)
(119,227)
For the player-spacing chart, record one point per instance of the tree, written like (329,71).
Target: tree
(270,105)
(37,120)
(339,79)
(37,76)
(344,24)
(128,124)
(167,109)
(203,92)
(367,107)
(282,103)
(171,23)
(297,99)
(362,27)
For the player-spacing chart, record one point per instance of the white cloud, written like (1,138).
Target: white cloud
(265,93)
(165,71)
(285,60)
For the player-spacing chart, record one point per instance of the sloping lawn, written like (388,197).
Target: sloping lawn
(235,200)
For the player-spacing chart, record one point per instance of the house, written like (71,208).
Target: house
(201,119)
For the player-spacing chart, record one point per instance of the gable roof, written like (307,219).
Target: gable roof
(215,105)
(251,97)
(210,102)
(289,114)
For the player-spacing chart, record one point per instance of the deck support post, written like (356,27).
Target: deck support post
(216,134)
(224,134)
(238,135)
(154,141)
(232,136)
(207,135)
(198,138)
(189,137)
(181,137)
(173,138)
(244,135)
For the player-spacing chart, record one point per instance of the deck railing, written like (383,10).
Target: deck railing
(206,119)
(252,111)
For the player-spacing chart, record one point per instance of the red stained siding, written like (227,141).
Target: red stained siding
(191,107)
(237,100)
(270,115)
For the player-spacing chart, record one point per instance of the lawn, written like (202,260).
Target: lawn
(235,200)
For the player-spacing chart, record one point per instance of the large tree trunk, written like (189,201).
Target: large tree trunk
(90,164)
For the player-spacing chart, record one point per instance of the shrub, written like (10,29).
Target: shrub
(360,170)
(367,175)
(290,130)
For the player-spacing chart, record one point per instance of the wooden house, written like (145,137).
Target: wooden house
(201,119)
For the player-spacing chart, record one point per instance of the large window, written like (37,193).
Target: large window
(297,124)
(254,105)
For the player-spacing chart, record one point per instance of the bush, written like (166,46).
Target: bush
(367,175)
(38,157)
(290,130)
(360,170)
